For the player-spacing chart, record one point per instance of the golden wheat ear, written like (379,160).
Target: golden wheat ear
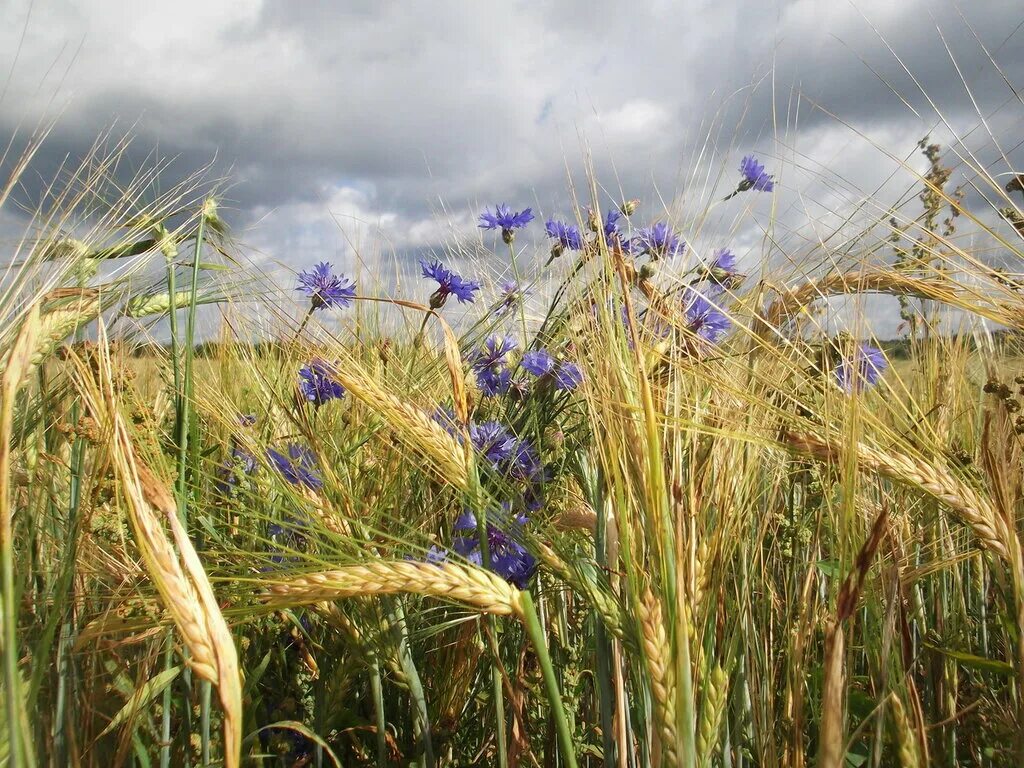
(178,576)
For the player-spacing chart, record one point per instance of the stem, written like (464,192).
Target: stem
(302,325)
(396,617)
(536,634)
(492,625)
(519,286)
(378,712)
(165,722)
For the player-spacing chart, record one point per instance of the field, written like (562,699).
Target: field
(630,508)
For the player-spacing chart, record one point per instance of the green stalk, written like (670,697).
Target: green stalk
(12,678)
(165,722)
(603,645)
(183,445)
(378,713)
(519,285)
(536,634)
(396,617)
(496,684)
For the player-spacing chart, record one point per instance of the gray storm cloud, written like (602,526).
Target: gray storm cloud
(402,119)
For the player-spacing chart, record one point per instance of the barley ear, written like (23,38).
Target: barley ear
(178,577)
(716,693)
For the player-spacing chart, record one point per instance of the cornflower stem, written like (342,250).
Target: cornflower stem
(536,634)
(304,323)
(423,327)
(519,283)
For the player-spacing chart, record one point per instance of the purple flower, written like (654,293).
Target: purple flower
(317,384)
(724,261)
(246,419)
(723,269)
(489,364)
(231,472)
(658,242)
(445,416)
(493,381)
(511,296)
(611,225)
(703,318)
(325,289)
(564,235)
(447,283)
(298,467)
(523,463)
(509,559)
(493,441)
(493,353)
(754,176)
(539,362)
(505,219)
(863,370)
(568,376)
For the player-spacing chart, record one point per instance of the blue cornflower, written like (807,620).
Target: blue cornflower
(509,559)
(493,381)
(445,416)
(539,362)
(237,465)
(448,283)
(703,318)
(325,289)
(657,242)
(436,555)
(317,384)
(493,441)
(493,352)
(564,235)
(299,467)
(246,419)
(863,369)
(754,176)
(489,364)
(568,376)
(511,296)
(523,463)
(505,219)
(723,269)
(611,225)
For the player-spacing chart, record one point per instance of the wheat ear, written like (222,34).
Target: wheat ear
(660,669)
(970,506)
(470,586)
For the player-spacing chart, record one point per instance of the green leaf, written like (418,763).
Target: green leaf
(829,568)
(974,662)
(142,697)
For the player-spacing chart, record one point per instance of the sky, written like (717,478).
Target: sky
(368,133)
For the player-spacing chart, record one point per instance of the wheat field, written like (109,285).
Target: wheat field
(631,508)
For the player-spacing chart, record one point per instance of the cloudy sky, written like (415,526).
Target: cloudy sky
(383,127)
